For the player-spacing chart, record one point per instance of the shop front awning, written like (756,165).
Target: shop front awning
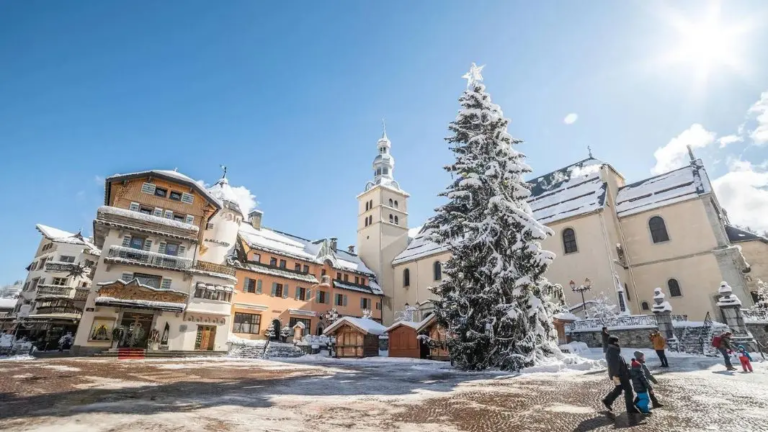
(141,304)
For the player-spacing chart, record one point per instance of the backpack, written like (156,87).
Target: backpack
(716,341)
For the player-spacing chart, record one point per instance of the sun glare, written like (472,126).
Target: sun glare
(706,44)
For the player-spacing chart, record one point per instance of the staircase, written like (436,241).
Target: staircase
(131,353)
(698,340)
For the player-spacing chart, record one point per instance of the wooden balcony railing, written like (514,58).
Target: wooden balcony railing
(215,268)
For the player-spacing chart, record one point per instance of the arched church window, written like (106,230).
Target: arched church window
(397,220)
(395,203)
(391,219)
(386,170)
(406,277)
(437,269)
(674,288)
(391,203)
(378,171)
(658,229)
(569,241)
(645,306)
(370,220)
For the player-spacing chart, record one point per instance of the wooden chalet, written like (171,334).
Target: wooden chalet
(355,337)
(438,349)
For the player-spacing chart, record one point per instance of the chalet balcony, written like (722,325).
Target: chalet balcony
(81,294)
(120,254)
(56,290)
(215,268)
(57,266)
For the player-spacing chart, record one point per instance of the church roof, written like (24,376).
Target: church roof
(736,235)
(570,191)
(675,186)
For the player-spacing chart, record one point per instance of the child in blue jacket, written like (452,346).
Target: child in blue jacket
(745,359)
(640,383)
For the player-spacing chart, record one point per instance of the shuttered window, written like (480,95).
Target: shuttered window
(126,277)
(147,245)
(189,219)
(187,198)
(168,214)
(126,241)
(157,212)
(148,188)
(258,286)
(285,291)
(166,284)
(134,207)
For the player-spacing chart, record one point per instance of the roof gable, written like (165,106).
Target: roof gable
(675,186)
(172,176)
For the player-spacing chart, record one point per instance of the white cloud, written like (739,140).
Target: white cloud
(571,118)
(245,199)
(742,192)
(99,180)
(760,134)
(675,153)
(729,139)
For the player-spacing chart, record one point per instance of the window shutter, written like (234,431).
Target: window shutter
(182,249)
(165,284)
(147,245)
(247,285)
(344,300)
(296,294)
(161,248)
(190,219)
(158,212)
(308,297)
(148,188)
(317,296)
(274,288)
(168,214)
(134,206)
(285,291)
(126,277)
(126,241)
(258,286)
(187,198)
(362,303)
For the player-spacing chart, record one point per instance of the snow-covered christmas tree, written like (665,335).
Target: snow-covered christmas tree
(762,297)
(494,301)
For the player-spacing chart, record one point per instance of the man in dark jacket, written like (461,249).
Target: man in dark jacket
(605,336)
(725,349)
(618,372)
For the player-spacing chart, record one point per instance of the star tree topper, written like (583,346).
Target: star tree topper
(474,76)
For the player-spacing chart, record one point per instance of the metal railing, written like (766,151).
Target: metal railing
(755,315)
(54,290)
(215,268)
(81,294)
(150,258)
(621,321)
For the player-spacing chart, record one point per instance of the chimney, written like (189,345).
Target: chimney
(334,243)
(254,217)
(351,249)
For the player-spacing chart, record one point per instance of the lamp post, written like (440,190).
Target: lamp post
(580,289)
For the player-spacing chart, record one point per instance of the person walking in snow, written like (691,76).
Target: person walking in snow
(641,387)
(640,357)
(745,359)
(659,343)
(726,348)
(618,372)
(605,336)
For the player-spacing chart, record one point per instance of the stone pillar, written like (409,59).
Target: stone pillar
(730,307)
(622,295)
(663,312)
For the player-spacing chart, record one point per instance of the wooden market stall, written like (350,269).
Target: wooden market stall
(355,337)
(403,341)
(438,346)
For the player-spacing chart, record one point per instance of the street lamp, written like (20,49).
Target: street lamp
(580,289)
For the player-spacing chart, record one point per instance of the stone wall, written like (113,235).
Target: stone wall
(635,337)
(759,331)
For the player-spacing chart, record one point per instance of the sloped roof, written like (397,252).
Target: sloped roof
(60,236)
(570,191)
(367,326)
(169,175)
(736,235)
(317,251)
(419,247)
(675,186)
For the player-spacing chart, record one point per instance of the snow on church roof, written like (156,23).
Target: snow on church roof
(419,247)
(675,186)
(570,191)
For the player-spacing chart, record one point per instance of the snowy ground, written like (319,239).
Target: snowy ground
(318,394)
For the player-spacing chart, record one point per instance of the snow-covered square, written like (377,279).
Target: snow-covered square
(313,393)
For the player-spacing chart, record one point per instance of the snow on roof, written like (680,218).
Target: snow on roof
(675,186)
(146,217)
(276,271)
(413,232)
(297,247)
(414,325)
(223,192)
(366,325)
(574,190)
(421,246)
(61,236)
(357,287)
(426,322)
(736,235)
(7,303)
(168,175)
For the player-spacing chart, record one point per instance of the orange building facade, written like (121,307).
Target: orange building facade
(284,280)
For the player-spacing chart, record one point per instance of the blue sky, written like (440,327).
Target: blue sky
(290,97)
